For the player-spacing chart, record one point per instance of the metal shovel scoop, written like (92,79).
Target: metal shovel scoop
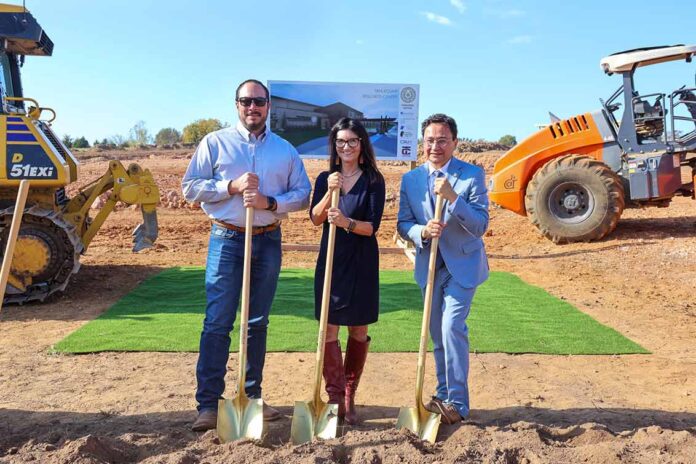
(242,417)
(419,420)
(314,418)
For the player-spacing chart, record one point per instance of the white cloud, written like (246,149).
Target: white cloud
(459,5)
(520,39)
(359,42)
(436,18)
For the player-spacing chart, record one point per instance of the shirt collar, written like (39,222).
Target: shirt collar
(248,136)
(443,169)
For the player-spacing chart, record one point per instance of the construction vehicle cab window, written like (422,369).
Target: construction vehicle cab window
(55,229)
(574,177)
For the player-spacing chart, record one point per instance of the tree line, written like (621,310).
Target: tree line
(139,135)
(193,133)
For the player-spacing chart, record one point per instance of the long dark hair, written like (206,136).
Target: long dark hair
(367,161)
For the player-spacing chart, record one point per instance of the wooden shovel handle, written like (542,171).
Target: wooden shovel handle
(427,306)
(244,319)
(325,298)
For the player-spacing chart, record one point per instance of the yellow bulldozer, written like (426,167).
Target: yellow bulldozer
(55,229)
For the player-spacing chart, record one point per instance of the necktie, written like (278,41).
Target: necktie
(433,176)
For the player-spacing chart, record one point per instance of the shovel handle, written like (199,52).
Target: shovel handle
(325,298)
(244,320)
(427,306)
(12,238)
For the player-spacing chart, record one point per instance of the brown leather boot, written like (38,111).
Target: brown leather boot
(334,377)
(356,354)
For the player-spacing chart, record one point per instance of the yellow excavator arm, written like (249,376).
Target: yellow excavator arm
(134,186)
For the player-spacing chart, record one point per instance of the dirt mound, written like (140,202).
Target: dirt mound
(521,442)
(480,152)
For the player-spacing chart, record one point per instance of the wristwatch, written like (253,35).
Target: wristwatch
(272,204)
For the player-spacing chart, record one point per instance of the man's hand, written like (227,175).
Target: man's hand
(432,229)
(247,181)
(442,187)
(255,199)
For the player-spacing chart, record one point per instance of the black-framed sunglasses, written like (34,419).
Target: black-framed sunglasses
(247,101)
(352,143)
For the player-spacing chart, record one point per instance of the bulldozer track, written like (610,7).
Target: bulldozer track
(41,217)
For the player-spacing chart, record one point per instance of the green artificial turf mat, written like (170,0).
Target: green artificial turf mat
(165,313)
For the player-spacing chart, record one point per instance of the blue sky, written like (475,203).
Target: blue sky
(497,66)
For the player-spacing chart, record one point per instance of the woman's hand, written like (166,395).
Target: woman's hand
(335,181)
(335,216)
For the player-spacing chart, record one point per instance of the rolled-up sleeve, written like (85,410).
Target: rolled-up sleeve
(299,187)
(199,183)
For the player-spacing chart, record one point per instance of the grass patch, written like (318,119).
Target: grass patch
(165,313)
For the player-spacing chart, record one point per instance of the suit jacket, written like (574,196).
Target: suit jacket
(461,246)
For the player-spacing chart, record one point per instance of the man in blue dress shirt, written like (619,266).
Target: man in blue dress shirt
(461,259)
(233,168)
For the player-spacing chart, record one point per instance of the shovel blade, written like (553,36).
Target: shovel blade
(240,417)
(310,420)
(423,423)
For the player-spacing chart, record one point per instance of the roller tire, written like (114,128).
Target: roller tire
(575,198)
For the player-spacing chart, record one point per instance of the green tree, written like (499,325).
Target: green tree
(80,142)
(194,132)
(508,140)
(67,141)
(167,136)
(139,135)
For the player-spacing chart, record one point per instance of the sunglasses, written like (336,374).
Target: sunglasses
(258,101)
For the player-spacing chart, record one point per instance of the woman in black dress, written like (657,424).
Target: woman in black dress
(355,279)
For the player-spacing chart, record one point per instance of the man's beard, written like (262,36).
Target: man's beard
(254,126)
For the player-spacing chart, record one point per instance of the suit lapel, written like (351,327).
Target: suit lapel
(424,192)
(455,172)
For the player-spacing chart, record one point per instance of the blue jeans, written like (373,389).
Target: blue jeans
(450,334)
(223,286)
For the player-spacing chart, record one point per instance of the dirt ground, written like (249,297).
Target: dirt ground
(137,407)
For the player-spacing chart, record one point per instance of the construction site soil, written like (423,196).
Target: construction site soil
(528,408)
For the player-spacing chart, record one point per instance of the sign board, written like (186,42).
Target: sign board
(304,112)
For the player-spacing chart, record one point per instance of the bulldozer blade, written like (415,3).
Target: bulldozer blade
(420,421)
(145,234)
(240,417)
(310,419)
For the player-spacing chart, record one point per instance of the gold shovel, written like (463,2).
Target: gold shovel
(314,418)
(419,420)
(242,417)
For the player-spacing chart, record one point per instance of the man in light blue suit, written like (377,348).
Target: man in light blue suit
(461,259)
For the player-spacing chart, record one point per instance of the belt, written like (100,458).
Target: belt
(256,230)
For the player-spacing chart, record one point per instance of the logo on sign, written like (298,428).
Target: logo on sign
(408,94)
